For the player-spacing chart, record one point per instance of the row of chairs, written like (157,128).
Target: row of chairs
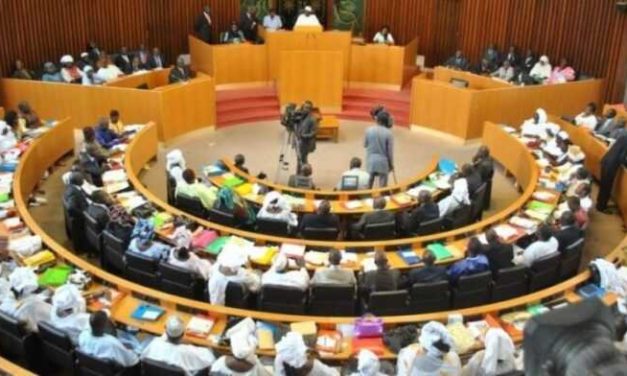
(52,350)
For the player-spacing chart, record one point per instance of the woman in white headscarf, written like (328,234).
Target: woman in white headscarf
(229,268)
(367,364)
(22,302)
(68,311)
(538,126)
(243,361)
(541,72)
(276,207)
(497,358)
(175,165)
(7,137)
(292,353)
(459,196)
(278,274)
(431,356)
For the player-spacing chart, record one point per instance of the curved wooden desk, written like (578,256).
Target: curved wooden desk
(56,143)
(9,368)
(510,153)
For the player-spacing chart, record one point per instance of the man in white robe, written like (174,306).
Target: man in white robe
(275,207)
(308,18)
(243,361)
(23,303)
(175,165)
(541,71)
(68,311)
(497,358)
(229,268)
(280,276)
(292,352)
(97,343)
(459,196)
(431,356)
(169,349)
(183,258)
(367,364)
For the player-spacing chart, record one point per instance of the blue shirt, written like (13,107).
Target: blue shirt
(106,137)
(468,266)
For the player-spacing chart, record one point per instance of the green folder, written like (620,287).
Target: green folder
(439,251)
(55,276)
(541,207)
(4,197)
(233,182)
(215,247)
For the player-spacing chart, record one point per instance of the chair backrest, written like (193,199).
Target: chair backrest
(176,274)
(236,295)
(429,297)
(151,367)
(282,299)
(431,226)
(140,262)
(429,290)
(349,183)
(91,366)
(460,217)
(385,230)
(330,292)
(191,205)
(387,302)
(272,227)
(92,223)
(476,281)
(10,325)
(114,243)
(170,184)
(217,216)
(509,275)
(12,336)
(546,263)
(57,345)
(575,247)
(327,233)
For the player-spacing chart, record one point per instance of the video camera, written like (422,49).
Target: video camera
(292,117)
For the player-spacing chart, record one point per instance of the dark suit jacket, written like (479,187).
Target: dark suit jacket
(486,168)
(422,213)
(248,25)
(607,126)
(306,132)
(152,62)
(567,236)
(428,274)
(377,216)
(176,75)
(615,156)
(125,66)
(474,182)
(499,255)
(379,280)
(315,220)
(121,232)
(455,63)
(203,28)
(76,201)
(99,213)
(513,59)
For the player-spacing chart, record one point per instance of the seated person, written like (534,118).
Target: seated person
(588,119)
(115,124)
(279,275)
(70,73)
(334,274)
(429,273)
(432,355)
(459,196)
(498,358)
(20,71)
(90,78)
(567,232)
(538,126)
(322,218)
(426,210)
(242,359)
(275,207)
(169,349)
(545,245)
(182,257)
(562,73)
(195,189)
(234,34)
(8,139)
(51,73)
(355,171)
(106,137)
(457,61)
(231,202)
(239,162)
(156,60)
(137,66)
(28,116)
(307,18)
(473,177)
(175,165)
(474,263)
(483,162)
(500,254)
(23,302)
(383,36)
(382,278)
(76,200)
(621,129)
(97,343)
(68,312)
(377,216)
(13,121)
(93,148)
(101,201)
(607,123)
(107,71)
(580,214)
(556,150)
(123,60)
(484,68)
(303,179)
(541,71)
(180,72)
(579,178)
(293,358)
(272,21)
(492,55)
(505,72)
(229,267)
(143,243)
(121,223)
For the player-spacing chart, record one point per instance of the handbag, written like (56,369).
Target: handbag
(368,326)
(400,337)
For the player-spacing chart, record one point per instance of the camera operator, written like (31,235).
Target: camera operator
(306,131)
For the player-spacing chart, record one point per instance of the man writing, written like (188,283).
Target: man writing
(306,134)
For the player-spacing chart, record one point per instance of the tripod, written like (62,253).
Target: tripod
(289,146)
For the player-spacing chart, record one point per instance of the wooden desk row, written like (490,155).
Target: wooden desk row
(32,168)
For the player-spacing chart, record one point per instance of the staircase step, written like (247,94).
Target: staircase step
(367,106)
(379,95)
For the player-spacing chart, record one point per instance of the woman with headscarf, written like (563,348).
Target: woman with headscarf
(22,302)
(121,223)
(229,267)
(541,71)
(28,116)
(292,358)
(175,165)
(279,275)
(431,356)
(562,73)
(242,361)
(367,364)
(232,203)
(182,257)
(459,197)
(68,311)
(539,126)
(69,71)
(496,359)
(142,241)
(275,207)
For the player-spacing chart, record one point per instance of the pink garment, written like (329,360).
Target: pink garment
(561,75)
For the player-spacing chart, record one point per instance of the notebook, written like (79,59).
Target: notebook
(215,247)
(439,251)
(55,276)
(199,326)
(233,182)
(540,207)
(293,250)
(147,312)
(590,291)
(409,256)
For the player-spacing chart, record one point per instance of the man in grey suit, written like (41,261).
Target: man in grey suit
(334,274)
(379,146)
(608,123)
(306,135)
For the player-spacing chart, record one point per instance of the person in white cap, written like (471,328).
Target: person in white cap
(588,118)
(497,358)
(69,71)
(279,275)
(169,349)
(68,311)
(292,358)
(96,342)
(22,302)
(275,207)
(367,364)
(182,257)
(175,165)
(541,71)
(539,126)
(229,268)
(243,361)
(431,356)
(307,18)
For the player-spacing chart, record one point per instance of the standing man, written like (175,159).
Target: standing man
(613,160)
(379,146)
(248,24)
(204,24)
(306,135)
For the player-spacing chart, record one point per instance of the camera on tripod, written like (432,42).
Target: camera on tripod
(292,117)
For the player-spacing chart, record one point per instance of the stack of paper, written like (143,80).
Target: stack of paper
(293,250)
(522,222)
(348,259)
(114,176)
(544,196)
(199,326)
(402,199)
(317,258)
(505,232)
(353,204)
